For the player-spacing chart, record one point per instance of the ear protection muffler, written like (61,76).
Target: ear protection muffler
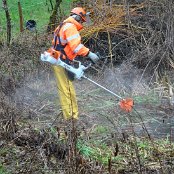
(78,18)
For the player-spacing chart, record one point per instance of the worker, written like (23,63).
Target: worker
(67,42)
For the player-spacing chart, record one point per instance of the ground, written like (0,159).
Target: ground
(32,124)
(98,107)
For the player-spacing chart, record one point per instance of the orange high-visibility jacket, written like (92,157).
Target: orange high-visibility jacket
(70,38)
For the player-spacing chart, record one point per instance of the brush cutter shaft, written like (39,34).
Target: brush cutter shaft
(125,104)
(102,87)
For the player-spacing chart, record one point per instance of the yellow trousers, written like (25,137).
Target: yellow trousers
(67,94)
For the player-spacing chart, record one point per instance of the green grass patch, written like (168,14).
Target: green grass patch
(149,151)
(98,151)
(149,98)
(37,10)
(99,129)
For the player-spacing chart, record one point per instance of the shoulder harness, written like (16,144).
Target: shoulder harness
(59,46)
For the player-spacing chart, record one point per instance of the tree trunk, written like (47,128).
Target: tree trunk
(53,17)
(20,17)
(4,3)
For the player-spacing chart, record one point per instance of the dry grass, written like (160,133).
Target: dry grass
(140,35)
(109,18)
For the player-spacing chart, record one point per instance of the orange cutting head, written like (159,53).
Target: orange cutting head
(126,104)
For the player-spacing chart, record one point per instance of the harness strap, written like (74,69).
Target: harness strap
(59,46)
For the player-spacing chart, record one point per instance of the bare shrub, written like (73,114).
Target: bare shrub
(154,50)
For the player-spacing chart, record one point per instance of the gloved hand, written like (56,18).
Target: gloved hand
(93,57)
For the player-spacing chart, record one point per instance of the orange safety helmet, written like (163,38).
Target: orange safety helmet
(79,11)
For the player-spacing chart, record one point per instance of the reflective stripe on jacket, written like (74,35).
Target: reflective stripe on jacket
(69,36)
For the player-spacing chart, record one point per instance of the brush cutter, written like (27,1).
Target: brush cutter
(125,104)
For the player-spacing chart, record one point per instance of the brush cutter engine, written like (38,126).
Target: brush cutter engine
(78,72)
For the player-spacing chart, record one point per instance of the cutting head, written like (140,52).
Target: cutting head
(126,104)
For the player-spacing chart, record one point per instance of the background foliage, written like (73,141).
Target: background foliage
(38,10)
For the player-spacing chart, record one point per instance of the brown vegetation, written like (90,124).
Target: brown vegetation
(140,34)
